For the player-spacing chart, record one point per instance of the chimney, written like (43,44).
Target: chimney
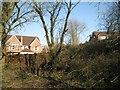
(21,40)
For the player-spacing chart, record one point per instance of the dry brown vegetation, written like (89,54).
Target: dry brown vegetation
(91,65)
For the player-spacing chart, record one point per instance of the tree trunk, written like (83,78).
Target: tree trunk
(4,53)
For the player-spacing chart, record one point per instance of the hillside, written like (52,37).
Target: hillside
(89,65)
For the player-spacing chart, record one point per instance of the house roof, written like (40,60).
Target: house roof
(26,40)
(8,37)
(100,33)
(104,33)
(26,50)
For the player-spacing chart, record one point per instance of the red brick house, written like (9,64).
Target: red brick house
(23,44)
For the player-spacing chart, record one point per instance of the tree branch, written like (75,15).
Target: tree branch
(39,11)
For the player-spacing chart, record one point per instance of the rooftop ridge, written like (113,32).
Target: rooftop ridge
(24,35)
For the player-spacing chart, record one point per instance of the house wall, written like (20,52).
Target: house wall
(13,41)
(102,37)
(35,43)
(26,52)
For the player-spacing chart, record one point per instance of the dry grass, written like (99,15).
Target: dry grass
(13,78)
(89,68)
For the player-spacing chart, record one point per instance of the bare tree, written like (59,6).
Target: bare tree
(13,16)
(111,18)
(54,11)
(75,29)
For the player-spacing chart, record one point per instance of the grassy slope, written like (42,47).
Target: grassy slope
(12,78)
(95,65)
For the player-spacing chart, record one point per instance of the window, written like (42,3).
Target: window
(25,47)
(9,48)
(22,47)
(103,37)
(13,47)
(36,48)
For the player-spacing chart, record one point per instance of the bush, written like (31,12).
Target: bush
(89,65)
(92,65)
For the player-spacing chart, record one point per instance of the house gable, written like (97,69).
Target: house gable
(36,44)
(17,43)
(13,39)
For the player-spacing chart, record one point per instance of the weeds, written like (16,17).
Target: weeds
(92,65)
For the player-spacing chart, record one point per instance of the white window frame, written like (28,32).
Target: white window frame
(13,46)
(22,47)
(26,47)
(9,47)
